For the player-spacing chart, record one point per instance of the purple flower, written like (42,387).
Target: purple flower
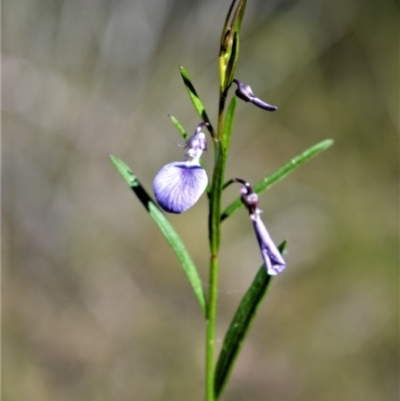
(272,258)
(179,185)
(245,93)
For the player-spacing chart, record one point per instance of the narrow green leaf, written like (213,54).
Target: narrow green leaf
(196,100)
(221,152)
(229,50)
(228,125)
(240,15)
(214,225)
(166,228)
(279,174)
(234,25)
(240,326)
(179,127)
(232,63)
(226,29)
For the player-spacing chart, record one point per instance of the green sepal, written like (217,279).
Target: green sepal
(166,228)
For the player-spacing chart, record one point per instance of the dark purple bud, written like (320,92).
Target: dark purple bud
(245,93)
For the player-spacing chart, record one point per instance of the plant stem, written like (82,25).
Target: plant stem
(214,237)
(211,318)
(214,228)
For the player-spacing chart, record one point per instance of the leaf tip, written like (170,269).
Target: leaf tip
(282,247)
(113,158)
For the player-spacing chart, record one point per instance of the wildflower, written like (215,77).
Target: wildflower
(272,258)
(179,185)
(245,93)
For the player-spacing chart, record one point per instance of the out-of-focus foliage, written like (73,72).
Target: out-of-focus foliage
(95,306)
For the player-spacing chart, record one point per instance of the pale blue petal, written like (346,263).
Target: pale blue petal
(179,185)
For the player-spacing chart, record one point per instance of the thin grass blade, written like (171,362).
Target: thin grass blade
(166,228)
(280,174)
(240,326)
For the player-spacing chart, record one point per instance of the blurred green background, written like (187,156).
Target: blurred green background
(95,305)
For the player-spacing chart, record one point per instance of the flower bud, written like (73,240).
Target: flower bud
(245,93)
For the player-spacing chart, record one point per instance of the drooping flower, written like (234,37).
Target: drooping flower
(245,93)
(273,260)
(179,185)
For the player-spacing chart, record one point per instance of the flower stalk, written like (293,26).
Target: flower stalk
(178,186)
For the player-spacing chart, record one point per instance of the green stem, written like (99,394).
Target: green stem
(214,228)
(211,318)
(214,234)
(214,237)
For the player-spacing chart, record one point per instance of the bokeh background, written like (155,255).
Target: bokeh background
(94,303)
